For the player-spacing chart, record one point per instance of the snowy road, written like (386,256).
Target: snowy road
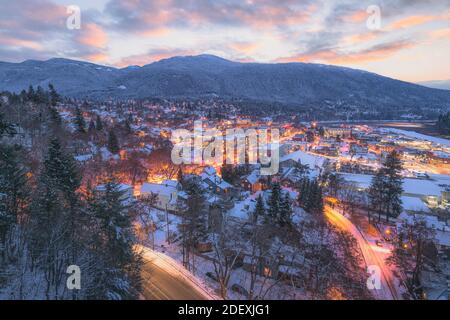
(164,279)
(373,255)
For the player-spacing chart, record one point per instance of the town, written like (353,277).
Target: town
(347,196)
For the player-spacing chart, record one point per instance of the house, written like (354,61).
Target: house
(429,191)
(253,182)
(214,183)
(314,162)
(167,193)
(439,158)
(338,132)
(356,149)
(299,137)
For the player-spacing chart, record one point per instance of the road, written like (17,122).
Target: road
(373,255)
(164,279)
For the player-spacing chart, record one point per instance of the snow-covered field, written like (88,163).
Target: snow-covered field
(419,136)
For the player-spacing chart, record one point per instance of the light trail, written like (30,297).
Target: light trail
(372,254)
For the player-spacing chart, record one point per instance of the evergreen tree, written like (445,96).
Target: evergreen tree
(55,117)
(386,188)
(41,96)
(116,270)
(376,195)
(392,170)
(303,192)
(31,94)
(54,219)
(91,127)
(318,207)
(80,123)
(310,196)
(5,127)
(98,123)
(194,221)
(443,123)
(285,217)
(128,122)
(273,211)
(113,143)
(13,193)
(54,96)
(227,173)
(260,210)
(128,129)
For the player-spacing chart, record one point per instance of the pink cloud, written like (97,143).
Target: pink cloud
(93,35)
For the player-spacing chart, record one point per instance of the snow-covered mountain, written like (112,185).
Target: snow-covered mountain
(207,75)
(439,84)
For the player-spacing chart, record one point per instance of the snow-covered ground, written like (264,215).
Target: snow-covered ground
(419,136)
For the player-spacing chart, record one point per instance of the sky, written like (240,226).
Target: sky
(403,39)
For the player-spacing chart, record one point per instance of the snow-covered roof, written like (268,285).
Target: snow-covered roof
(253,177)
(418,136)
(171,183)
(414,204)
(410,186)
(304,158)
(160,189)
(84,157)
(210,171)
(422,187)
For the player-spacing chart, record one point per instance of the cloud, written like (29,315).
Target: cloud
(440,34)
(375,53)
(411,21)
(246,48)
(38,29)
(328,31)
(356,16)
(92,35)
(143,16)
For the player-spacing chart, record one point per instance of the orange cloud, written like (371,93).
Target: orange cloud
(245,47)
(13,42)
(440,34)
(356,17)
(333,57)
(411,21)
(362,37)
(270,16)
(93,36)
(96,57)
(157,32)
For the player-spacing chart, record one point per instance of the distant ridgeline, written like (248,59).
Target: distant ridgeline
(206,76)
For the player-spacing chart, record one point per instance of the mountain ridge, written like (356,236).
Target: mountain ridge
(211,76)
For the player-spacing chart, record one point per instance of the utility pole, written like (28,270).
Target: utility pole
(167,226)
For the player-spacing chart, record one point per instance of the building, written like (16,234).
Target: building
(429,191)
(439,157)
(167,193)
(314,162)
(253,182)
(338,132)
